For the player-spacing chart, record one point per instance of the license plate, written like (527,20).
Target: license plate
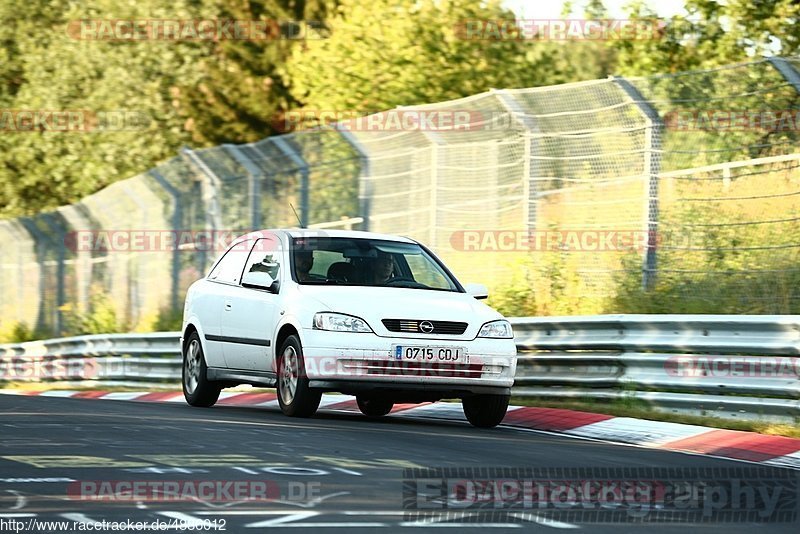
(429,354)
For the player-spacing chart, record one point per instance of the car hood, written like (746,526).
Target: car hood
(376,303)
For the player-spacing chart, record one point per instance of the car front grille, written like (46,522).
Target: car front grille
(452,328)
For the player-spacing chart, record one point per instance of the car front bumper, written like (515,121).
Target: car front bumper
(344,361)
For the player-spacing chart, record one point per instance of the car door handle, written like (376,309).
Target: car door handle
(228,306)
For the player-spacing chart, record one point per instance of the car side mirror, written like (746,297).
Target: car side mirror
(260,280)
(478,291)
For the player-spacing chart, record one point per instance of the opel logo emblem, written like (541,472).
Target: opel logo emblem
(426,326)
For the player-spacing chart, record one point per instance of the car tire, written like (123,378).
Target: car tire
(485,411)
(198,390)
(295,398)
(372,407)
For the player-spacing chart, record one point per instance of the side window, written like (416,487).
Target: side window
(229,269)
(265,258)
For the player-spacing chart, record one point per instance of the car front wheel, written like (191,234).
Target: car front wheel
(485,411)
(198,390)
(294,396)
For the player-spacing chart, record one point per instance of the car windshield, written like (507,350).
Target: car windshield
(367,262)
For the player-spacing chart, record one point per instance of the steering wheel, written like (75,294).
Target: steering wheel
(404,279)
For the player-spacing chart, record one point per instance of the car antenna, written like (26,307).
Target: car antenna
(299,222)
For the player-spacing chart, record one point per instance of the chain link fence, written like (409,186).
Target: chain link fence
(675,193)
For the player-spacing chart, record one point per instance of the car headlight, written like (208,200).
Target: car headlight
(339,322)
(497,329)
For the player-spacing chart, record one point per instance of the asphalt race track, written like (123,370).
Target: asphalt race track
(333,472)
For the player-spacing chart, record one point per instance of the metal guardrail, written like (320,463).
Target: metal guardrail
(744,367)
(103,360)
(741,367)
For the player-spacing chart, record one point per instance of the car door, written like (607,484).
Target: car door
(219,288)
(250,314)
(207,301)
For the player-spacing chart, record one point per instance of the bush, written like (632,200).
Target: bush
(100,319)
(20,333)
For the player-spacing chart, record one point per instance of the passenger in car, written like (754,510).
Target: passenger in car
(303,262)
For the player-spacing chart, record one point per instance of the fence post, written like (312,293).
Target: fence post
(41,239)
(13,287)
(436,144)
(210,189)
(61,271)
(364,187)
(254,189)
(302,166)
(79,218)
(652,168)
(520,116)
(177,220)
(786,70)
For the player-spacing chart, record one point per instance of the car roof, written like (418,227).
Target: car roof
(319,232)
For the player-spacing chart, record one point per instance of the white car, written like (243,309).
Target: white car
(371,315)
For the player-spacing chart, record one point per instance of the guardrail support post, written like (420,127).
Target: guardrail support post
(652,168)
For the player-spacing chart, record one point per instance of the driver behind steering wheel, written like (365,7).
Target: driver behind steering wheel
(382,268)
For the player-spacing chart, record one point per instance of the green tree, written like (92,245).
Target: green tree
(191,92)
(239,94)
(404,52)
(577,60)
(53,71)
(711,34)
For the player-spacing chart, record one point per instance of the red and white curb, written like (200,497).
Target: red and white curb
(733,444)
